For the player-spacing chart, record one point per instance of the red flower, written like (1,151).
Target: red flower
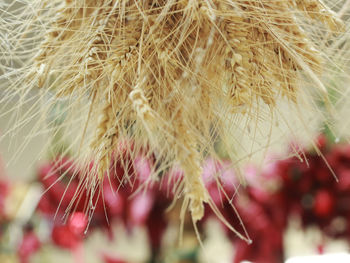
(69,236)
(4,192)
(115,199)
(64,190)
(63,237)
(343,175)
(323,203)
(61,181)
(265,227)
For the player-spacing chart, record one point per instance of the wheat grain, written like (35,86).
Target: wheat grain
(170,75)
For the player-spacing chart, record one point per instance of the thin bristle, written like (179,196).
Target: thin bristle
(173,77)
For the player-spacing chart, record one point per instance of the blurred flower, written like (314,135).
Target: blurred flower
(118,198)
(323,203)
(65,192)
(60,179)
(282,188)
(4,192)
(112,259)
(309,188)
(70,235)
(28,246)
(254,205)
(265,220)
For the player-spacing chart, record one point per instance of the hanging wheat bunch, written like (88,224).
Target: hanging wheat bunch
(172,77)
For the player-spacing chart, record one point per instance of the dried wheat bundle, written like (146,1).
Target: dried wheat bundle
(172,76)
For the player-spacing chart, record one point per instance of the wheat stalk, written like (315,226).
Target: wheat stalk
(169,74)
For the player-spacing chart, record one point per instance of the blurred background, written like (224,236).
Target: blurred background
(290,207)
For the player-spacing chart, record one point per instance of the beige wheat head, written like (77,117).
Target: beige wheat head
(174,76)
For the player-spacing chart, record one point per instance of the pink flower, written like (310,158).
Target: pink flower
(219,179)
(140,208)
(112,259)
(77,223)
(114,199)
(28,246)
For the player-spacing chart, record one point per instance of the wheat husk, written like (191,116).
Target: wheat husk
(174,76)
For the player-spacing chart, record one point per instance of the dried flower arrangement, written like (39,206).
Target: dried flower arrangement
(170,75)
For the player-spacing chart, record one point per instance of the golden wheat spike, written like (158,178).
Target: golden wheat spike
(190,163)
(173,76)
(106,134)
